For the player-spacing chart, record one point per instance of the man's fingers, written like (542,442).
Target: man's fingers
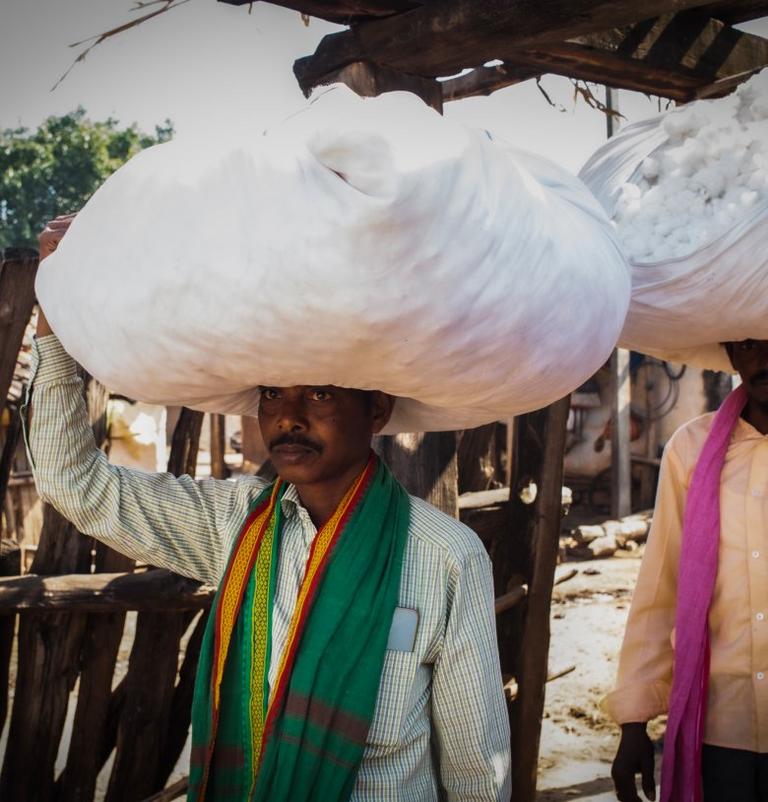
(649,782)
(624,783)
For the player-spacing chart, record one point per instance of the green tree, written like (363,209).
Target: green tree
(55,169)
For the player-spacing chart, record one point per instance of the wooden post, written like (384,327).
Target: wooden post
(621,457)
(219,469)
(535,512)
(621,478)
(17,299)
(426,465)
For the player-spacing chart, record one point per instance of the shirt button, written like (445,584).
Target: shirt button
(760,616)
(760,675)
(755,554)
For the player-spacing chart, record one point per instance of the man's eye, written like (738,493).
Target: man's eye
(269,394)
(320,395)
(747,345)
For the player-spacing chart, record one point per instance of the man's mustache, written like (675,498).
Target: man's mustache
(295,440)
(760,376)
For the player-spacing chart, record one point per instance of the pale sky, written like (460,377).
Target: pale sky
(210,66)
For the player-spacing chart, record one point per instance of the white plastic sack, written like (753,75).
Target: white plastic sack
(697,235)
(362,243)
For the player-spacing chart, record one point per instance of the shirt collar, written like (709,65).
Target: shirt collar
(746,431)
(291,507)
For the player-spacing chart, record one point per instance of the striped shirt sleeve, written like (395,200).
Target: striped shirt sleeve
(468,708)
(172,522)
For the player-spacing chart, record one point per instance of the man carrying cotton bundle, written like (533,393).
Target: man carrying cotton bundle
(363,244)
(337,590)
(696,643)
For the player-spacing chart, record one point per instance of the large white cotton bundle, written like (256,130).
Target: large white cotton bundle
(362,243)
(688,192)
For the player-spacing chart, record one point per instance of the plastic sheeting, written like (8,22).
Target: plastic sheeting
(362,243)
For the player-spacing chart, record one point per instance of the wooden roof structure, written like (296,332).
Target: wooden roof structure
(677,49)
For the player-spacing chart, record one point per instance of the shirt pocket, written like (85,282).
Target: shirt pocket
(394,698)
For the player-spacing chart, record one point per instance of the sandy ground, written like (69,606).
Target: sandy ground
(578,741)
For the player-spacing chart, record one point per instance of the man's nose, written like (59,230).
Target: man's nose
(292,415)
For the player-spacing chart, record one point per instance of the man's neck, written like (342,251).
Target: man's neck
(322,498)
(757,415)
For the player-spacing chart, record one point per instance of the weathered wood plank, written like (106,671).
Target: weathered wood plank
(735,11)
(486,80)
(442,38)
(344,12)
(10,565)
(144,726)
(170,793)
(157,590)
(49,648)
(17,299)
(101,642)
(185,443)
(510,599)
(12,434)
(181,705)
(368,80)
(219,468)
(679,56)
(426,466)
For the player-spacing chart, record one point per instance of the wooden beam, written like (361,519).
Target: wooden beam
(344,12)
(443,38)
(486,80)
(680,57)
(368,80)
(735,11)
(149,590)
(510,600)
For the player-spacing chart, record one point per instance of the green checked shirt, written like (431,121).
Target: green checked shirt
(440,729)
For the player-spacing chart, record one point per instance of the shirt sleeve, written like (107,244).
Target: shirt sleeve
(647,653)
(468,708)
(167,521)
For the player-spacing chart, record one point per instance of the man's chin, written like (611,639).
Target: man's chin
(296,467)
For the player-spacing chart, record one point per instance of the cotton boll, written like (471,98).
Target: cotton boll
(758,180)
(650,168)
(748,199)
(712,170)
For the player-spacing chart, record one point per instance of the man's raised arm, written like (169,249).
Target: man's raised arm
(176,523)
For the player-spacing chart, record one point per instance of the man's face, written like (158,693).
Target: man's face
(317,434)
(750,358)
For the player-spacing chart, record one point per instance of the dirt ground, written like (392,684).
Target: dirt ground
(578,740)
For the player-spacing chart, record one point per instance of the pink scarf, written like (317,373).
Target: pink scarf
(681,766)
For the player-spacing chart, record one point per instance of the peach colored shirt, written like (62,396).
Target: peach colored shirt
(737,709)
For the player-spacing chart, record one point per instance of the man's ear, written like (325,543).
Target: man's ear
(382,405)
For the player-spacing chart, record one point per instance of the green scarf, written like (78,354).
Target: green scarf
(303,739)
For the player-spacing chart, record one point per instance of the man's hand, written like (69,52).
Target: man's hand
(49,239)
(634,756)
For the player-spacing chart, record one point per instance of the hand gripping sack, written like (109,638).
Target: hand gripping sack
(712,285)
(362,243)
